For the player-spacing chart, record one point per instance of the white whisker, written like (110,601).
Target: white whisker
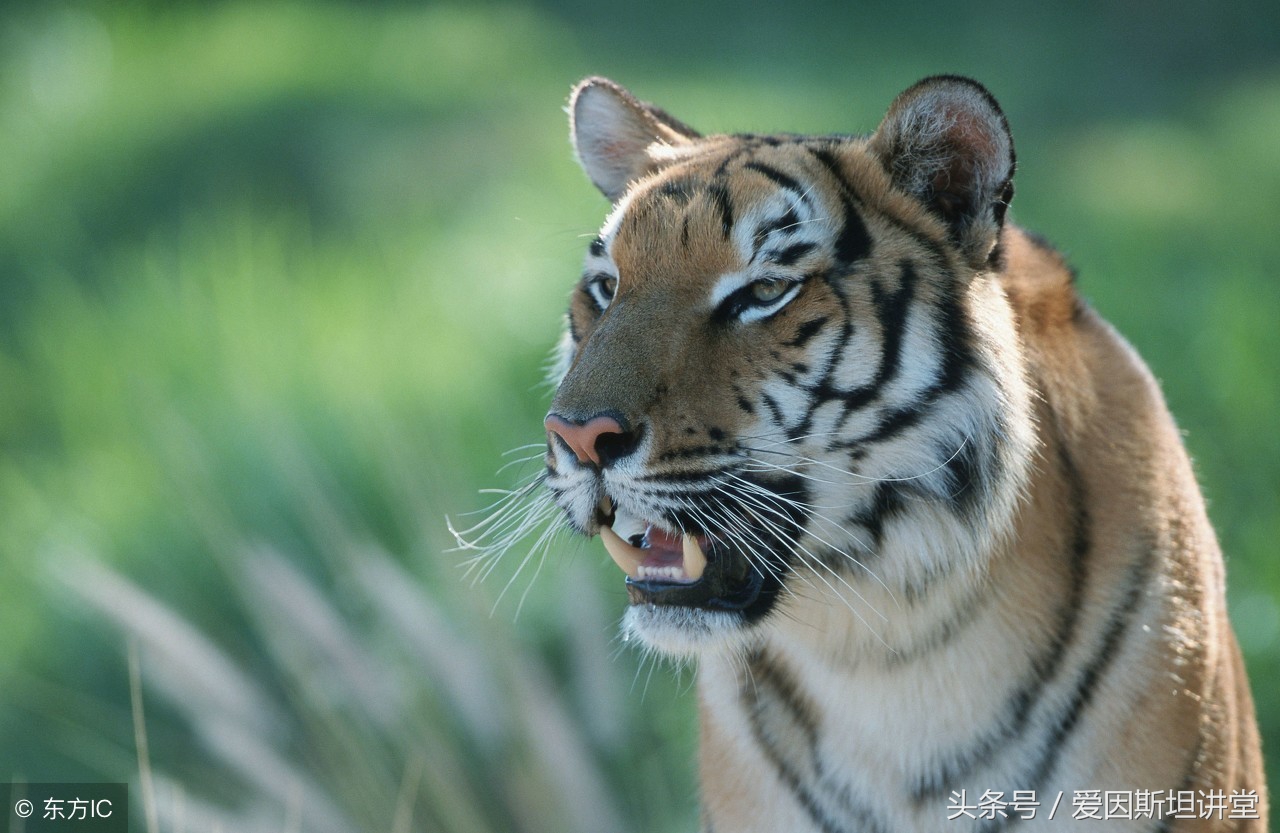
(524,447)
(757,493)
(807,556)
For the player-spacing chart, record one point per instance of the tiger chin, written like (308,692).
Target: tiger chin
(919,515)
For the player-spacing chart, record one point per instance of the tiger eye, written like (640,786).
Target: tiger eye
(768,290)
(606,287)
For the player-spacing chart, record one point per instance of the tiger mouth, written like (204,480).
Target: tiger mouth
(691,569)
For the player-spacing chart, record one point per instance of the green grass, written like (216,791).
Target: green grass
(277,283)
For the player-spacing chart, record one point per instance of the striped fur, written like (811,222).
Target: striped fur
(985,561)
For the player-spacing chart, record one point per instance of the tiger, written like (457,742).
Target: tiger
(918,516)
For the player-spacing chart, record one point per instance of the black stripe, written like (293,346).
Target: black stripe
(885,506)
(916,587)
(768,694)
(789,255)
(1087,681)
(823,153)
(934,785)
(690,451)
(891,308)
(774,409)
(788,220)
(807,801)
(964,616)
(891,311)
(828,160)
(597,247)
(722,170)
(806,331)
(679,190)
(719,196)
(661,479)
(969,467)
(957,359)
(892,423)
(823,391)
(773,678)
(781,179)
(956,335)
(854,242)
(967,475)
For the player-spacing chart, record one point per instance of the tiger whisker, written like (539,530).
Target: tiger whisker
(506,497)
(865,479)
(518,462)
(773,439)
(759,467)
(777,532)
(797,223)
(495,527)
(556,531)
(784,501)
(519,533)
(806,556)
(524,447)
(810,509)
(809,558)
(542,541)
(732,527)
(510,519)
(801,458)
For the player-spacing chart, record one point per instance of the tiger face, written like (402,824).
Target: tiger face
(789,383)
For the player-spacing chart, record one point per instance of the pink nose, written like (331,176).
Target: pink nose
(583,439)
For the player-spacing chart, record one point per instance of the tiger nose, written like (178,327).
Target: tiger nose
(598,441)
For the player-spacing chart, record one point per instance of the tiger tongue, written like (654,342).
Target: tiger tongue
(676,556)
(663,556)
(659,543)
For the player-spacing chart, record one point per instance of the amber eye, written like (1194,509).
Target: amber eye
(757,300)
(769,290)
(602,288)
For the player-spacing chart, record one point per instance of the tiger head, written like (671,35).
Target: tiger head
(790,388)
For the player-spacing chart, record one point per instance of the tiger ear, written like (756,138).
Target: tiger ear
(613,134)
(945,141)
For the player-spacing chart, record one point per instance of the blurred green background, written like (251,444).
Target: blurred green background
(277,284)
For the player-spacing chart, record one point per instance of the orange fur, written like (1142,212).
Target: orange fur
(1014,534)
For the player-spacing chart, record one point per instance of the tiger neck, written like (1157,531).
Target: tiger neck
(888,673)
(883,694)
(886,693)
